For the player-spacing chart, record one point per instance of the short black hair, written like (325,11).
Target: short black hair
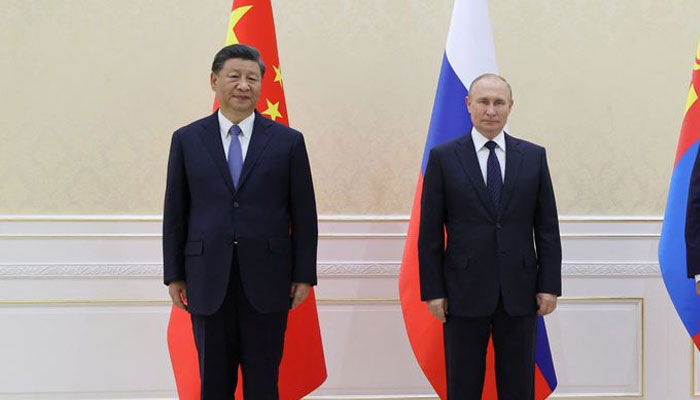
(237,51)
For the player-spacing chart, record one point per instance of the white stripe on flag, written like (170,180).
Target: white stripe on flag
(469,47)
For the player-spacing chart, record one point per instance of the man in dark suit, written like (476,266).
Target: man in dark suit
(492,195)
(239,231)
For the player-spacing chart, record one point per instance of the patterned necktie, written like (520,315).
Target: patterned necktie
(494,181)
(235,155)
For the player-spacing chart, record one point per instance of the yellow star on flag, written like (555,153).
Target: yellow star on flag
(278,75)
(273,110)
(692,98)
(236,16)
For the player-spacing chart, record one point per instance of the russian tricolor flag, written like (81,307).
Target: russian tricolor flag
(469,53)
(672,247)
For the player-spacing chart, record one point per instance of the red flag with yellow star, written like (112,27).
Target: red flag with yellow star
(303,367)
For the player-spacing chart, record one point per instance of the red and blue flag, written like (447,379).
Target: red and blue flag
(672,247)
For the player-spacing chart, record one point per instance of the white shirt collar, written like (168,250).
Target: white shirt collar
(246,125)
(480,140)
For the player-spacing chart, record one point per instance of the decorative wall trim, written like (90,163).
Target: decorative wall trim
(592,270)
(694,390)
(326,270)
(641,352)
(359,270)
(80,271)
(87,302)
(322,218)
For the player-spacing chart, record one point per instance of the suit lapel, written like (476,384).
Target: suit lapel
(513,160)
(211,136)
(258,142)
(470,163)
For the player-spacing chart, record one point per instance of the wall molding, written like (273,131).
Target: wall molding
(80,271)
(321,218)
(325,270)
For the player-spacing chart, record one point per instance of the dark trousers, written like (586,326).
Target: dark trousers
(237,334)
(466,341)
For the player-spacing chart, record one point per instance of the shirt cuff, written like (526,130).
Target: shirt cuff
(697,278)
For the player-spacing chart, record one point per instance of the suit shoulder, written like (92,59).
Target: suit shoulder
(275,126)
(449,145)
(197,125)
(527,146)
(279,131)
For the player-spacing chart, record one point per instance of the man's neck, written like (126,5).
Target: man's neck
(236,116)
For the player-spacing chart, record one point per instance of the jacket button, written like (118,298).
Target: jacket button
(498,226)
(235,204)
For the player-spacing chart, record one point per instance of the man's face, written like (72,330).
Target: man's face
(237,85)
(489,104)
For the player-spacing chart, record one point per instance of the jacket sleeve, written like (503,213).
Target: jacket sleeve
(431,236)
(302,205)
(692,222)
(546,232)
(175,214)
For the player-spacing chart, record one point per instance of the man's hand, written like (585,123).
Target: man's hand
(299,293)
(438,307)
(178,293)
(697,287)
(546,303)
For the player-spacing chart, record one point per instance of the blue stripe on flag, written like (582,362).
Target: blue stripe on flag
(450,118)
(543,356)
(672,255)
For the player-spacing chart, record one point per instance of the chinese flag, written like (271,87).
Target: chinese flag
(303,367)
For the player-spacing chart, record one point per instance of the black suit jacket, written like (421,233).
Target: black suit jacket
(271,218)
(514,251)
(692,222)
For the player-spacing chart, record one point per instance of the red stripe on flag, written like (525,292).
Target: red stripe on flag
(183,354)
(696,340)
(690,129)
(490,392)
(303,366)
(424,331)
(542,389)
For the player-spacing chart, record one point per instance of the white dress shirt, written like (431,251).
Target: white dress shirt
(246,132)
(482,152)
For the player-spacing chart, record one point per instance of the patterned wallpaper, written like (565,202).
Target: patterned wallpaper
(92,91)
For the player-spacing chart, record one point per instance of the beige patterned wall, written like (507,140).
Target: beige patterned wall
(92,89)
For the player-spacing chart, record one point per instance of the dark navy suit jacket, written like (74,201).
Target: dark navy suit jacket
(271,218)
(514,251)
(692,222)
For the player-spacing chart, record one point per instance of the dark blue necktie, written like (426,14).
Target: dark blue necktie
(494,181)
(235,155)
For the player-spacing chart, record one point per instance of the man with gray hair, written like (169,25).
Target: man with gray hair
(489,247)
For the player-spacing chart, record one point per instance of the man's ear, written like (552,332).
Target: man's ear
(213,80)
